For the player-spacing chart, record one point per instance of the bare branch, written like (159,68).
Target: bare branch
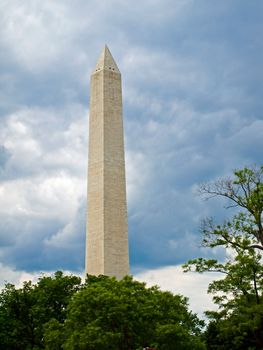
(257,246)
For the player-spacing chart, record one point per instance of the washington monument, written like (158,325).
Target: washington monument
(107,229)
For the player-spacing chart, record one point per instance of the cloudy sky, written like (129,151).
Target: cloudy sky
(192,91)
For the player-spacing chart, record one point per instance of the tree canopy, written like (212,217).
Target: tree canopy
(24,311)
(61,313)
(238,323)
(244,192)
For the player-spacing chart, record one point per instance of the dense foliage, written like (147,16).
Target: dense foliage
(60,313)
(24,311)
(238,323)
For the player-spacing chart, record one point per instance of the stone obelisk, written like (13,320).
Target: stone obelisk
(107,229)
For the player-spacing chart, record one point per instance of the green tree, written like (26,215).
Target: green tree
(239,294)
(245,192)
(111,314)
(16,318)
(238,322)
(59,313)
(24,311)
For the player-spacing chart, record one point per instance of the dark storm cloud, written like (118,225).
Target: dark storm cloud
(192,90)
(25,246)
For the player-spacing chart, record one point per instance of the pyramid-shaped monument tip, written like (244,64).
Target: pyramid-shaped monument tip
(106,62)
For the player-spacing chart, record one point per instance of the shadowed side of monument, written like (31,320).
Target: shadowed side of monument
(107,229)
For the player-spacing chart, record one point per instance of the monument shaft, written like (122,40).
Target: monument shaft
(107,229)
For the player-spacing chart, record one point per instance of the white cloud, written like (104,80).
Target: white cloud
(42,196)
(10,275)
(192,285)
(145,66)
(38,33)
(137,174)
(43,179)
(39,138)
(46,172)
(71,233)
(17,277)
